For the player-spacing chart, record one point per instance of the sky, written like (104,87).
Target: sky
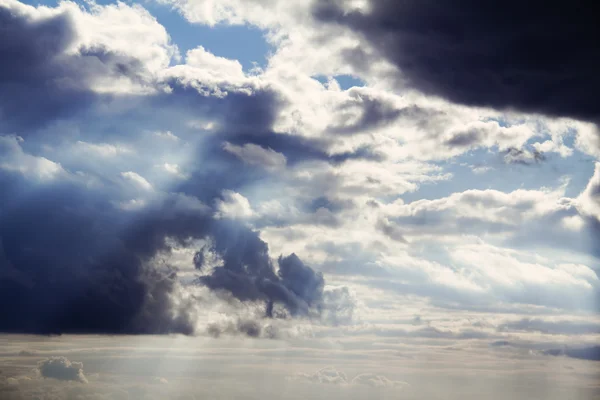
(266,199)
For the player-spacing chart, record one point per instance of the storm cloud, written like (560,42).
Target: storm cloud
(249,275)
(41,80)
(537,56)
(78,248)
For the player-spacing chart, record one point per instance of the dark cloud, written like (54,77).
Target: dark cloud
(299,149)
(500,343)
(374,113)
(523,156)
(62,369)
(27,353)
(536,56)
(90,272)
(39,81)
(75,263)
(466,139)
(248,274)
(333,205)
(78,264)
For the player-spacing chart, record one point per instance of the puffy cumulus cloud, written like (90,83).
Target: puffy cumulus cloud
(397,127)
(117,26)
(249,275)
(233,205)
(449,50)
(544,218)
(289,26)
(219,67)
(477,211)
(79,58)
(62,369)
(478,249)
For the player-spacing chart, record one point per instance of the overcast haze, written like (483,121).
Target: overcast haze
(265,199)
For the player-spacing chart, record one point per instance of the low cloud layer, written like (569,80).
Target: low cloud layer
(331,376)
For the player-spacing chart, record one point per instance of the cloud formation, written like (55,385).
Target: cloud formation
(331,376)
(80,240)
(534,57)
(62,369)
(168,192)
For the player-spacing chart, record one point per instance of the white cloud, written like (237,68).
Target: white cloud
(102,149)
(14,159)
(132,204)
(126,29)
(174,170)
(233,205)
(219,67)
(167,135)
(574,223)
(137,180)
